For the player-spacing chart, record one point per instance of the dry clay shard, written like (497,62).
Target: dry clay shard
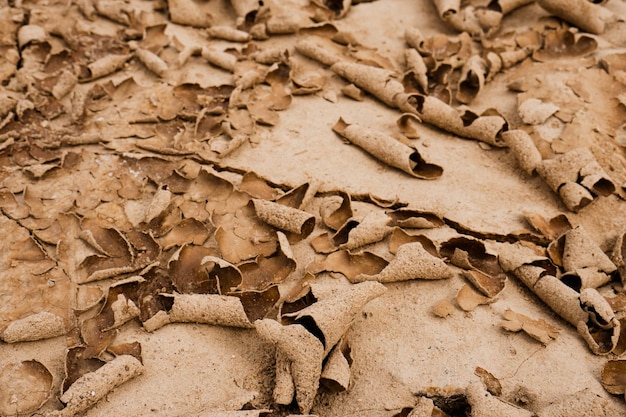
(303,345)
(377,81)
(412,261)
(214,309)
(588,311)
(304,353)
(26,386)
(586,265)
(614,376)
(585,14)
(389,150)
(38,326)
(486,127)
(577,177)
(355,234)
(537,329)
(285,218)
(331,316)
(618,255)
(523,148)
(93,386)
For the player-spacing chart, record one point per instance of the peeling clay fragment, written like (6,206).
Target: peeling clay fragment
(333,314)
(472,79)
(614,376)
(578,250)
(26,386)
(522,146)
(319,50)
(537,329)
(220,310)
(220,59)
(468,299)
(189,12)
(38,326)
(582,13)
(103,67)
(284,218)
(93,386)
(535,112)
(152,61)
(602,329)
(486,127)
(412,261)
(377,81)
(373,228)
(303,350)
(336,373)
(388,150)
(228,33)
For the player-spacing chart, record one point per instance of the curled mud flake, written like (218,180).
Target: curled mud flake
(389,150)
(563,42)
(412,261)
(320,50)
(354,92)
(468,299)
(407,124)
(263,272)
(618,255)
(305,353)
(187,272)
(585,278)
(299,197)
(373,228)
(576,176)
(561,299)
(214,309)
(472,79)
(38,326)
(353,265)
(92,387)
(485,404)
(614,376)
(331,316)
(582,13)
(284,218)
(417,67)
(551,228)
(103,67)
(377,81)
(77,364)
(484,270)
(522,146)
(26,386)
(330,9)
(414,219)
(228,33)
(259,304)
(538,329)
(188,231)
(399,237)
(151,61)
(220,59)
(513,256)
(132,348)
(602,329)
(486,127)
(190,13)
(579,250)
(336,372)
(257,187)
(335,211)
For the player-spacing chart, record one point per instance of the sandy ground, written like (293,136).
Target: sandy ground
(400,351)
